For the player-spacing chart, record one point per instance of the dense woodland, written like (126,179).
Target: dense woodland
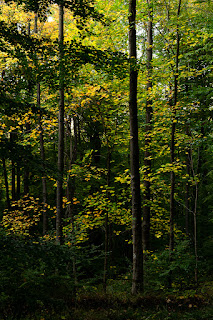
(106,165)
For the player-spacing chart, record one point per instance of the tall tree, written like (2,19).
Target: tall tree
(137,280)
(59,214)
(172,143)
(147,155)
(42,151)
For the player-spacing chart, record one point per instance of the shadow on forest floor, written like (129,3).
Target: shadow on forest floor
(138,308)
(99,306)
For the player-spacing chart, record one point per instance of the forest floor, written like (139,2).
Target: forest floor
(121,306)
(141,308)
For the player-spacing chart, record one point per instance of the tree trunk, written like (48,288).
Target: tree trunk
(26,168)
(195,217)
(13,173)
(28,128)
(42,151)
(18,183)
(71,180)
(71,189)
(187,187)
(137,280)
(59,214)
(106,248)
(195,233)
(6,183)
(147,155)
(172,145)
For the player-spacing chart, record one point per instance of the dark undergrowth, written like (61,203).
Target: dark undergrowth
(120,306)
(37,283)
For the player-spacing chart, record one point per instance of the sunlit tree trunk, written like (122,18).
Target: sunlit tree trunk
(59,214)
(147,155)
(137,280)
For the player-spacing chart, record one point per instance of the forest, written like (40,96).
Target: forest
(106,167)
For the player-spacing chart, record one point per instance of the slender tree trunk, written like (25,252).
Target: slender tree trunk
(195,219)
(172,146)
(195,233)
(71,189)
(42,151)
(106,248)
(187,187)
(13,181)
(71,180)
(28,128)
(6,183)
(147,155)
(18,183)
(13,173)
(59,215)
(137,280)
(26,168)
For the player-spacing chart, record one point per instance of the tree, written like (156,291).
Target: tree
(137,279)
(147,155)
(172,145)
(59,215)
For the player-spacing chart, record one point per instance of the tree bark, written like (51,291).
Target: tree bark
(6,183)
(147,155)
(13,173)
(28,128)
(26,168)
(172,145)
(71,180)
(107,227)
(195,217)
(59,214)
(42,151)
(187,187)
(18,183)
(137,280)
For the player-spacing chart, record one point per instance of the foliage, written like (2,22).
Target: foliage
(181,267)
(25,215)
(35,273)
